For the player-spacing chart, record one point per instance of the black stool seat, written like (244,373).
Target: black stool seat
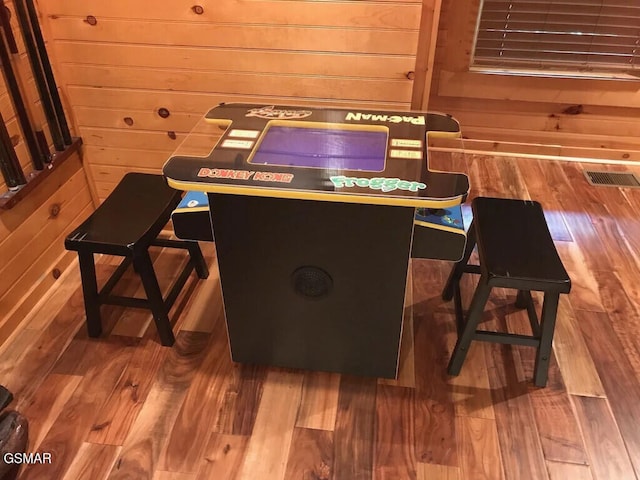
(516,251)
(515,245)
(126,224)
(130,218)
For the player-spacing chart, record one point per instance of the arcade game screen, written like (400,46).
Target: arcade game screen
(315,145)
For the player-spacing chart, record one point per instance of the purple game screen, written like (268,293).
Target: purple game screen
(323,148)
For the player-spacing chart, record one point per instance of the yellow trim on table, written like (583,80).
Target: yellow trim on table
(191,209)
(441,134)
(319,196)
(437,226)
(367,127)
(219,121)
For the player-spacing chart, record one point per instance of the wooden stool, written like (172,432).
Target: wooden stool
(516,251)
(126,224)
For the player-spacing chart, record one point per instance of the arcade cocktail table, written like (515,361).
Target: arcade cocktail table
(312,211)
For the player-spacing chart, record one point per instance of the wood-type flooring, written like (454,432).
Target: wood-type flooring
(124,407)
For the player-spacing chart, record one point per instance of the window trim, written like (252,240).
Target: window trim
(569,91)
(557,73)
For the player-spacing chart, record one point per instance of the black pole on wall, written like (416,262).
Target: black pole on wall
(38,156)
(9,163)
(48,71)
(39,76)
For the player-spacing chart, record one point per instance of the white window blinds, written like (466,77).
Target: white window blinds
(577,35)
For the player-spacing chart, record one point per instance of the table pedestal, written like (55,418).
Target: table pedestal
(313,285)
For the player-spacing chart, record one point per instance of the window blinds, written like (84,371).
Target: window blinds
(577,35)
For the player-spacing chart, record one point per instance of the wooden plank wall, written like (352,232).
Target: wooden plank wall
(121,62)
(557,117)
(32,253)
(32,233)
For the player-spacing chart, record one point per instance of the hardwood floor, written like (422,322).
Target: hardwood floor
(123,406)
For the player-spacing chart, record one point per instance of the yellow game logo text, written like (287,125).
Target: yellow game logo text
(377,183)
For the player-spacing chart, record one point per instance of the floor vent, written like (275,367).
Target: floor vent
(613,179)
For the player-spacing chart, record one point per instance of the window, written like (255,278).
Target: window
(598,37)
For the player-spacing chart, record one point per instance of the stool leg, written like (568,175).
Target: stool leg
(144,266)
(476,309)
(548,324)
(458,269)
(457,304)
(198,260)
(90,293)
(523,298)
